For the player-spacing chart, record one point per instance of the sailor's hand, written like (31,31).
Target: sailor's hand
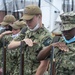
(28,42)
(6,32)
(62,46)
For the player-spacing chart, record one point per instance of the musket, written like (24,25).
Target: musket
(22,58)
(52,66)
(52,69)
(4,56)
(22,51)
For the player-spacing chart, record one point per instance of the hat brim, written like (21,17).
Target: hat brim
(27,17)
(14,26)
(68,27)
(3,23)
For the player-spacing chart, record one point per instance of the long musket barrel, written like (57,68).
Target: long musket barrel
(52,71)
(22,58)
(4,56)
(52,66)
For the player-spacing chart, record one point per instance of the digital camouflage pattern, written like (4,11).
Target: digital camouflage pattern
(13,62)
(31,64)
(65,61)
(1,46)
(12,58)
(68,20)
(42,38)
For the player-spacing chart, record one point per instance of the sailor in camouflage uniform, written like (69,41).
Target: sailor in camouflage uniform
(36,37)
(66,64)
(65,61)
(12,56)
(7,20)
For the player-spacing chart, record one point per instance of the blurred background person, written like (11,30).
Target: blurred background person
(11,55)
(5,24)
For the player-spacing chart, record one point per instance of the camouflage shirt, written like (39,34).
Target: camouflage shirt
(3,39)
(65,61)
(12,57)
(42,38)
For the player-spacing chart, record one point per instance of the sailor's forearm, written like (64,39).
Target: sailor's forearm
(1,35)
(44,53)
(14,44)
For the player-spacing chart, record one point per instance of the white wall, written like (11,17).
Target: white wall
(45,7)
(1,5)
(51,13)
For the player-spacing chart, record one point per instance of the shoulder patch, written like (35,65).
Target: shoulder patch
(47,41)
